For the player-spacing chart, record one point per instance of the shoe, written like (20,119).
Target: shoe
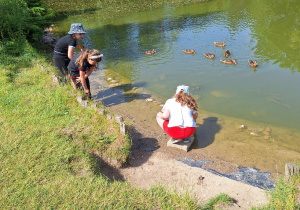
(174,141)
(186,140)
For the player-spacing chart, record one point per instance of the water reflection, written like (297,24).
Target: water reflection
(256,30)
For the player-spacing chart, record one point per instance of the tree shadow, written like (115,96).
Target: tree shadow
(205,133)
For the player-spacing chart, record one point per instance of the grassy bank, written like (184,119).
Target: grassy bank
(50,147)
(52,150)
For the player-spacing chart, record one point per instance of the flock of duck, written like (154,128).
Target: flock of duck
(212,56)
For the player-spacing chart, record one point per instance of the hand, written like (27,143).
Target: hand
(86,91)
(78,79)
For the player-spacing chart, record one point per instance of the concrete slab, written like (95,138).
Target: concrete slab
(181,145)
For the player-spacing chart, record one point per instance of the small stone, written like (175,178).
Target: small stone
(149,99)
(254,134)
(242,126)
(94,105)
(108,79)
(79,99)
(110,116)
(122,128)
(101,111)
(119,118)
(113,85)
(84,103)
(54,79)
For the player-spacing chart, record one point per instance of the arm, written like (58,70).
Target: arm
(82,80)
(195,116)
(87,74)
(71,52)
(164,115)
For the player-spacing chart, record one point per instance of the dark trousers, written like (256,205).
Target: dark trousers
(61,62)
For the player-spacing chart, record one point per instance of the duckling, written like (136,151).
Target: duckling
(208,55)
(227,53)
(220,44)
(229,61)
(252,63)
(187,51)
(151,52)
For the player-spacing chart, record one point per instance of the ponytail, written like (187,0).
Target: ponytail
(86,54)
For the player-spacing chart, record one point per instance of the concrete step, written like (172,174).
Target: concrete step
(181,145)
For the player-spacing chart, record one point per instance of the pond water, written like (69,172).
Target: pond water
(254,29)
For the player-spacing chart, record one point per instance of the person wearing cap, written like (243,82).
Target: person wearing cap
(81,67)
(65,47)
(178,115)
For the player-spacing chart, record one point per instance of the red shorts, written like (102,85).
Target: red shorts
(178,132)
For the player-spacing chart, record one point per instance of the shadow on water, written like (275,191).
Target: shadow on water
(205,133)
(120,94)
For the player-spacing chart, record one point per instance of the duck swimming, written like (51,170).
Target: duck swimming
(187,51)
(227,53)
(151,52)
(220,44)
(229,61)
(208,55)
(252,63)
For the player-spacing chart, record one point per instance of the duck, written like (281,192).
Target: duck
(220,44)
(229,61)
(151,52)
(252,63)
(209,55)
(188,51)
(227,53)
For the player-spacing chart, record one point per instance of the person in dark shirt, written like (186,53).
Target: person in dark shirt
(64,48)
(81,67)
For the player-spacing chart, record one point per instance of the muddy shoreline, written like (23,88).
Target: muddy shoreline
(222,141)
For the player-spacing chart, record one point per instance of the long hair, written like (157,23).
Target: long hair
(86,54)
(186,99)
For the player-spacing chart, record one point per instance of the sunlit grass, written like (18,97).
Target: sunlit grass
(50,146)
(285,194)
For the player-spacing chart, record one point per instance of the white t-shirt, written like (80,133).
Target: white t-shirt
(179,115)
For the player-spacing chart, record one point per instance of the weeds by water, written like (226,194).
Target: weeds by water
(284,196)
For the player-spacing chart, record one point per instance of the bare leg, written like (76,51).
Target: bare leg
(159,120)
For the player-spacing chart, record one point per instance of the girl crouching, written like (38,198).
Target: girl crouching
(178,116)
(81,67)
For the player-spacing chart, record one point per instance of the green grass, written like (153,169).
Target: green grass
(50,148)
(221,200)
(284,195)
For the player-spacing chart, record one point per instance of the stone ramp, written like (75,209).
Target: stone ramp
(181,145)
